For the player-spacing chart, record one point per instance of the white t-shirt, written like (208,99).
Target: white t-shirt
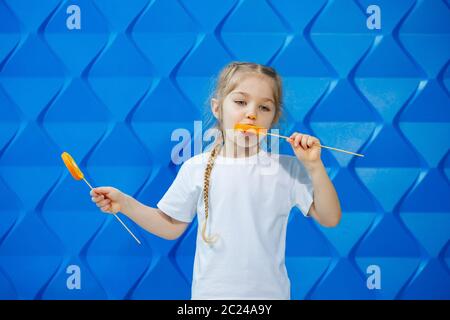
(249,203)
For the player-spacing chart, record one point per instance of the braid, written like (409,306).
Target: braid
(208,170)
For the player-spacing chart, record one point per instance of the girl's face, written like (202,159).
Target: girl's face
(251,102)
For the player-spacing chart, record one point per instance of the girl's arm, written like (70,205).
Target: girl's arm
(153,219)
(325,208)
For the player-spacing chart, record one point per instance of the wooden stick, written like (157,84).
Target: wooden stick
(120,220)
(340,150)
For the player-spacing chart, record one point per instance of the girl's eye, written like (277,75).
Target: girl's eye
(240,102)
(265,108)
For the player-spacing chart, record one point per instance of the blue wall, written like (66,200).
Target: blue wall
(112,92)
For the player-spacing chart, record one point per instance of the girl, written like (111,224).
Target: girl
(242,194)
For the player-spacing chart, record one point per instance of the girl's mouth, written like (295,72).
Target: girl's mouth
(249,133)
(246,130)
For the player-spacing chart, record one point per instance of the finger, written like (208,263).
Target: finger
(104,202)
(291,137)
(98,198)
(103,190)
(99,203)
(304,141)
(297,139)
(106,208)
(310,141)
(315,141)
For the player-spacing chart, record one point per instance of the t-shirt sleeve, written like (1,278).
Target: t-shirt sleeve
(180,200)
(302,191)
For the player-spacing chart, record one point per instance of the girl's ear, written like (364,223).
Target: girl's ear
(215,108)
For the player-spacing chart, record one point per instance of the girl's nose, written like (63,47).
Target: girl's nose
(251,117)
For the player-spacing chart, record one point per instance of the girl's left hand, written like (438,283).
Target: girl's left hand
(306,148)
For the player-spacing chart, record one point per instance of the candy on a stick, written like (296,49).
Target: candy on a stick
(250,128)
(72,166)
(77,174)
(261,130)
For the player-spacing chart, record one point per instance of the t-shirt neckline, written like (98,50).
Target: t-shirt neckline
(250,159)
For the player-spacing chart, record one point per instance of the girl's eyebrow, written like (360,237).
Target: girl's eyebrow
(246,94)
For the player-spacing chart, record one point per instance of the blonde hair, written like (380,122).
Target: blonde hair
(228,80)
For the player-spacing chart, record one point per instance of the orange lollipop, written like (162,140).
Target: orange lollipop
(250,128)
(72,166)
(257,129)
(77,174)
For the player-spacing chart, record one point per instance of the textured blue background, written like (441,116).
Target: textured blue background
(112,93)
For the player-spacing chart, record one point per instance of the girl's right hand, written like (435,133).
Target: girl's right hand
(108,199)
